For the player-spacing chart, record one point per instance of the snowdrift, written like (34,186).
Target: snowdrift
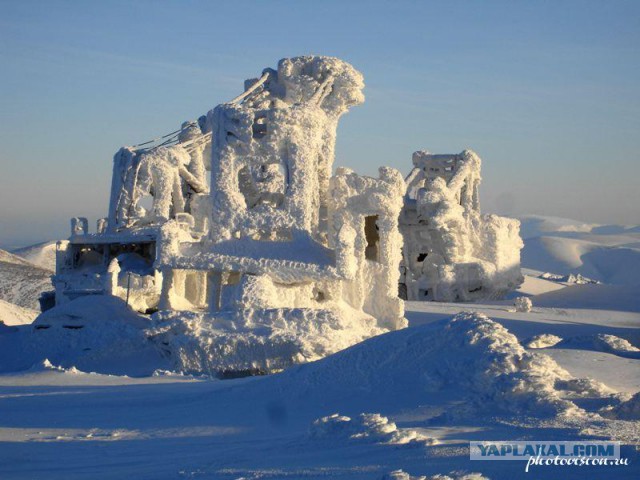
(258,341)
(94,334)
(597,297)
(469,361)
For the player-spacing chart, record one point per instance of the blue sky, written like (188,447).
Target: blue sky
(546,92)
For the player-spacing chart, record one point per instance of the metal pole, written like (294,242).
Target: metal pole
(128,286)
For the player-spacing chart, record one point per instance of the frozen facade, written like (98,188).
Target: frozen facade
(452,252)
(272,254)
(150,185)
(251,254)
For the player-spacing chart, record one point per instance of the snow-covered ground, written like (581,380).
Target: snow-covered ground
(42,254)
(408,400)
(22,282)
(607,253)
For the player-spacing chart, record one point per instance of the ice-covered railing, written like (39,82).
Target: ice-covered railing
(460,172)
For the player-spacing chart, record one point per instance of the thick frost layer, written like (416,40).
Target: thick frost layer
(523,304)
(288,242)
(451,251)
(258,341)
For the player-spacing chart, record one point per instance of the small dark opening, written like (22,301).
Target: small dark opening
(422,256)
(373,237)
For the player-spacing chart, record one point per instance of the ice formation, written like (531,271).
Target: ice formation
(523,304)
(452,252)
(234,231)
(367,427)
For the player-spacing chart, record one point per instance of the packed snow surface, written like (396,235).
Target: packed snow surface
(433,387)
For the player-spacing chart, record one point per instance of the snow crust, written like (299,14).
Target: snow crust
(402,475)
(626,410)
(367,427)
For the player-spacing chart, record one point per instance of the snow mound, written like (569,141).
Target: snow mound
(570,278)
(627,410)
(523,304)
(42,255)
(602,343)
(257,341)
(367,427)
(542,341)
(46,366)
(11,314)
(93,333)
(469,359)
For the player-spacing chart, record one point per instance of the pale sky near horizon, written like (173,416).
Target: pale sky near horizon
(546,92)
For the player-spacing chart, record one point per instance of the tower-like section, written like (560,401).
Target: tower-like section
(288,243)
(451,251)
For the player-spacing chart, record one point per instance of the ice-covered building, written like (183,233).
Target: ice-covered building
(252,255)
(152,183)
(451,252)
(273,243)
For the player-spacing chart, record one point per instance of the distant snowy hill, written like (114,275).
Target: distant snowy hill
(607,253)
(42,254)
(11,314)
(22,282)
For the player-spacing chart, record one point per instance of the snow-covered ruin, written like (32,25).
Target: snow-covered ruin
(235,227)
(451,252)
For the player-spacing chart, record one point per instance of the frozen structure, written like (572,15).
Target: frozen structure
(274,260)
(251,255)
(451,252)
(151,184)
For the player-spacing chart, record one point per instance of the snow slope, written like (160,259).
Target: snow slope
(408,400)
(607,253)
(11,314)
(42,255)
(21,282)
